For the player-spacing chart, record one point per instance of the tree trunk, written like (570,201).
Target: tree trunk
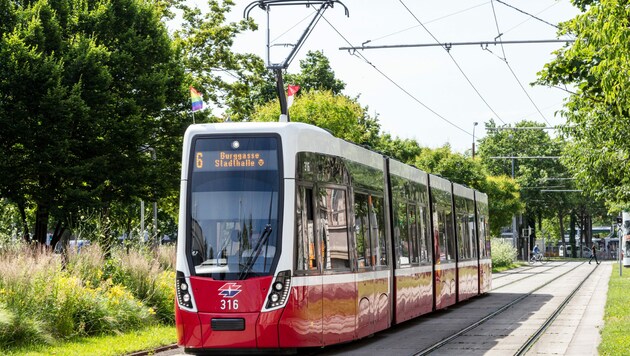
(572,222)
(41,224)
(561,221)
(26,235)
(59,230)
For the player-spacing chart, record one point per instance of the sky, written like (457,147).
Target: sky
(428,94)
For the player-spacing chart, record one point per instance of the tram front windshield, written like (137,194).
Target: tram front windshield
(234,207)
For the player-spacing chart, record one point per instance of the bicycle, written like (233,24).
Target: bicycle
(538,257)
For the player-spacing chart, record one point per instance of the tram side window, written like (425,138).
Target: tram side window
(333,229)
(369,230)
(446,241)
(414,224)
(450,234)
(402,232)
(483,238)
(463,237)
(361,230)
(472,235)
(377,224)
(306,257)
(424,235)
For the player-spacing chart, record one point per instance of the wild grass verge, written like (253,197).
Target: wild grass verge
(46,298)
(145,339)
(615,340)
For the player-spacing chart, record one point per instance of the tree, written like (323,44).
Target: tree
(503,201)
(597,113)
(237,81)
(533,174)
(316,74)
(90,96)
(340,115)
(503,192)
(453,166)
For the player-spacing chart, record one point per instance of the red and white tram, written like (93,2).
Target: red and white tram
(290,237)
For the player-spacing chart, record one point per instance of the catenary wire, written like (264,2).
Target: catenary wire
(428,22)
(394,82)
(454,61)
(528,14)
(499,35)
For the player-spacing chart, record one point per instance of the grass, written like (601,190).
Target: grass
(146,339)
(615,334)
(497,269)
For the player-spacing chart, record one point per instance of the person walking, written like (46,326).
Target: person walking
(593,254)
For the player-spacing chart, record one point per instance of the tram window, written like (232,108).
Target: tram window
(402,232)
(361,230)
(424,236)
(377,225)
(413,233)
(463,240)
(472,236)
(333,229)
(446,240)
(369,231)
(450,234)
(306,257)
(484,239)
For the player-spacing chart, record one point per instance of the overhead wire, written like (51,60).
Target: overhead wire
(454,61)
(499,35)
(530,18)
(526,13)
(428,22)
(360,55)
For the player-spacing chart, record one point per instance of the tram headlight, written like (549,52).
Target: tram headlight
(183,293)
(280,290)
(274,297)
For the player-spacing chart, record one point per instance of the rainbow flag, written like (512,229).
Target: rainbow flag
(195,97)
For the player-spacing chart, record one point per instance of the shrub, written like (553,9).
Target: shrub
(43,299)
(503,253)
(17,329)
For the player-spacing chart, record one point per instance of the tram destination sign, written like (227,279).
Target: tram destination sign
(214,161)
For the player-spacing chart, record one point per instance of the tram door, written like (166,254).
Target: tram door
(339,288)
(372,258)
(307,310)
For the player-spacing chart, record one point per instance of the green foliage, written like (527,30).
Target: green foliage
(206,41)
(342,116)
(503,253)
(148,338)
(503,201)
(17,330)
(87,297)
(454,166)
(597,65)
(84,92)
(316,74)
(615,340)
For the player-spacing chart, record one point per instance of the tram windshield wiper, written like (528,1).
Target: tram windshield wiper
(256,252)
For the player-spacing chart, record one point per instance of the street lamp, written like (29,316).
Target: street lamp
(473,147)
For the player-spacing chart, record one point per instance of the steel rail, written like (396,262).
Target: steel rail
(474,325)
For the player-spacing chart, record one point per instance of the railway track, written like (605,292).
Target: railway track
(543,321)
(507,321)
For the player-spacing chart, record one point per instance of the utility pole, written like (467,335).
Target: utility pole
(277,68)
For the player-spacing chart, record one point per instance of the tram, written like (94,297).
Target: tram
(290,237)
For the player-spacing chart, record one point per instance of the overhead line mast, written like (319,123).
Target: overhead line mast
(279,67)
